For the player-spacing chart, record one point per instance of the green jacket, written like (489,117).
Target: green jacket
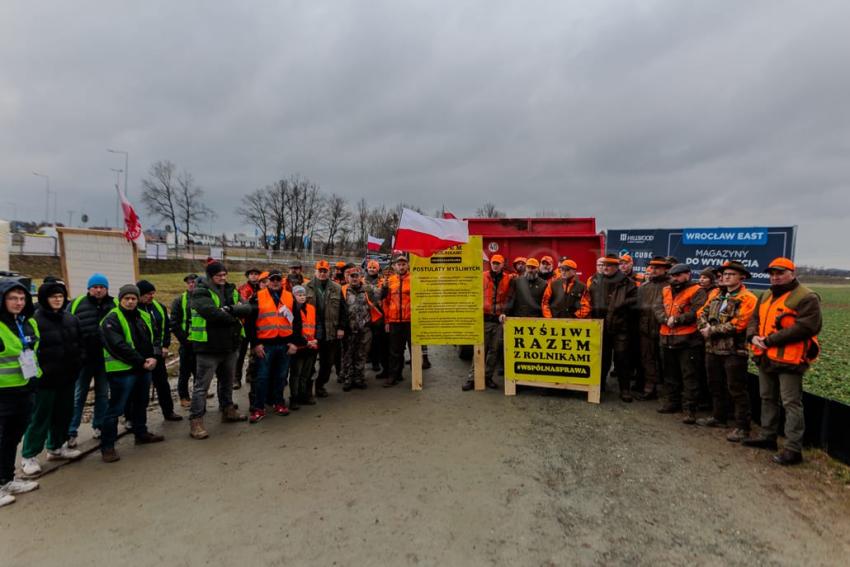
(329,313)
(223,330)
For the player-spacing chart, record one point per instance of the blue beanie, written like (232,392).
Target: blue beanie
(97,279)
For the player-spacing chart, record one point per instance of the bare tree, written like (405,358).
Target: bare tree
(335,221)
(160,193)
(489,211)
(362,222)
(255,210)
(191,208)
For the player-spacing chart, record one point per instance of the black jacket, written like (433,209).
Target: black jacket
(15,401)
(161,326)
(114,341)
(224,329)
(526,297)
(91,312)
(60,349)
(613,298)
(178,324)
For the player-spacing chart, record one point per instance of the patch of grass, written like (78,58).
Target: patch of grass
(830,375)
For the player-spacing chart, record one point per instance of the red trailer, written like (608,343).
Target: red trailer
(574,238)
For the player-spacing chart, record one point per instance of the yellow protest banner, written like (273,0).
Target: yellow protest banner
(446,296)
(553,353)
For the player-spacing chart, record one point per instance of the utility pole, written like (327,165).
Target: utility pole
(118,173)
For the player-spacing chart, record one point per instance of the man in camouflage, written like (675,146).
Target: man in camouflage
(358,336)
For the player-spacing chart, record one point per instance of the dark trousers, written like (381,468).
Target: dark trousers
(327,355)
(727,380)
(301,374)
(650,361)
(125,386)
(240,361)
(50,418)
(187,369)
(272,369)
(615,348)
(379,352)
(681,376)
(159,375)
(12,428)
(493,348)
(399,341)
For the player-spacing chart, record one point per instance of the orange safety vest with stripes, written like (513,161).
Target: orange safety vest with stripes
(273,320)
(780,313)
(675,306)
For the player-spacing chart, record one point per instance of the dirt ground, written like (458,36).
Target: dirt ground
(438,477)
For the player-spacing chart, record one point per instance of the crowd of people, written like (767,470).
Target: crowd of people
(664,337)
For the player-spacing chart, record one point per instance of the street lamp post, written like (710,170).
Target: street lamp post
(46,196)
(126,165)
(118,173)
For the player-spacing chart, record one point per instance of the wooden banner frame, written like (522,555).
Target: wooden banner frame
(74,286)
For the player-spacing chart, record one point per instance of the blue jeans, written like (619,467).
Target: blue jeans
(122,387)
(275,367)
(93,368)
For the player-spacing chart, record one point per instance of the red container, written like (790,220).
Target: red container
(576,239)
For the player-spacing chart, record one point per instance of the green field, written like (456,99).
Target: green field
(829,376)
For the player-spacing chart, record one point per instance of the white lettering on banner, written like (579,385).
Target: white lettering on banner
(626,237)
(739,254)
(755,236)
(718,262)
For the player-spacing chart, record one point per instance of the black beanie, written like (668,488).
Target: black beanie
(214,268)
(145,286)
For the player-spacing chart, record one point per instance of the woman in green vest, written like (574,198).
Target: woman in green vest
(18,373)
(128,354)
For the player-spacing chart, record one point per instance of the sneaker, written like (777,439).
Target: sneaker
(785,457)
(63,453)
(30,466)
(71,442)
(96,433)
(281,409)
(18,486)
(6,498)
(256,416)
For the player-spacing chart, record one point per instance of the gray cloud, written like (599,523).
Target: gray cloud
(642,114)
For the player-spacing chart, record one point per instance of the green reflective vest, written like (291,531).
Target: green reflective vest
(161,310)
(198,328)
(112,363)
(10,369)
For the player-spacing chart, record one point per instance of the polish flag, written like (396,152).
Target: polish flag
(132,226)
(424,236)
(449,215)
(374,243)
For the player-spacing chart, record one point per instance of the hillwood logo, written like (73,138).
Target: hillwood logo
(636,238)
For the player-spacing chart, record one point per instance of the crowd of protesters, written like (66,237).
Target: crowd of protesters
(687,342)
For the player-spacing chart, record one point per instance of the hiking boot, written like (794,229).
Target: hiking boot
(148,438)
(307,401)
(710,422)
(196,428)
(173,417)
(667,408)
(760,442)
(230,415)
(690,418)
(109,455)
(490,384)
(346,387)
(256,416)
(468,385)
(30,466)
(738,435)
(646,396)
(626,397)
(787,457)
(63,453)
(184,403)
(281,409)
(294,404)
(426,364)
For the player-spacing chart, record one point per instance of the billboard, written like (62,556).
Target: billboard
(702,248)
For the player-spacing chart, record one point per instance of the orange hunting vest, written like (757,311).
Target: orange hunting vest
(397,302)
(675,306)
(308,322)
(271,323)
(777,314)
(495,298)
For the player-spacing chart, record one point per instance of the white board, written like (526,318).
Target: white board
(156,251)
(38,244)
(216,253)
(84,252)
(5,246)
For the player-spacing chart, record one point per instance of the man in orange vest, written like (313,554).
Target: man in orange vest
(563,296)
(783,333)
(395,295)
(723,323)
(681,343)
(497,298)
(270,332)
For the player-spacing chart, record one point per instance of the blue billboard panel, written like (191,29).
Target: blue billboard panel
(702,248)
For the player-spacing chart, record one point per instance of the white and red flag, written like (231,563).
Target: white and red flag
(132,226)
(448,215)
(424,236)
(373,243)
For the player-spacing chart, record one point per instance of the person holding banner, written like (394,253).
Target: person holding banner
(723,323)
(783,333)
(612,296)
(497,298)
(648,327)
(681,343)
(395,296)
(562,298)
(528,290)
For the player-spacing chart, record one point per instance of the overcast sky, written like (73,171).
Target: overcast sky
(642,114)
